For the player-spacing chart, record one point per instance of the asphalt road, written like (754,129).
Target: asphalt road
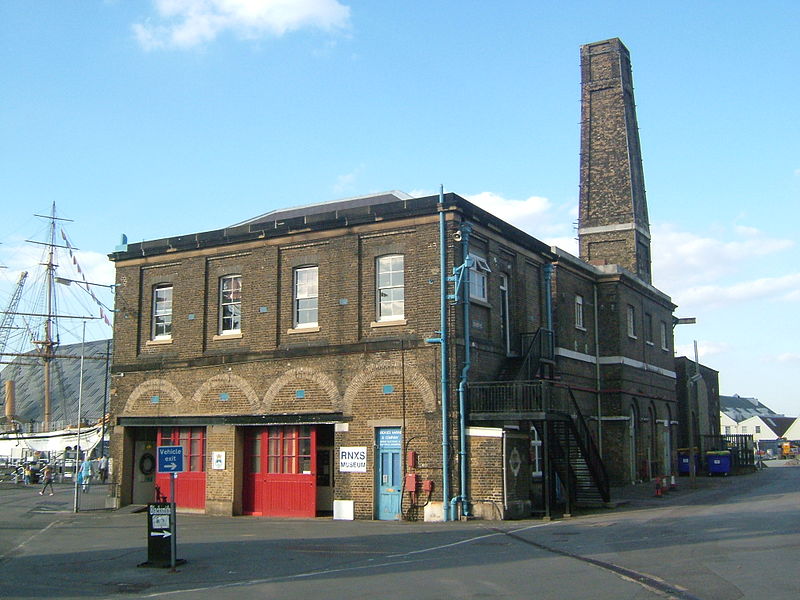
(726,539)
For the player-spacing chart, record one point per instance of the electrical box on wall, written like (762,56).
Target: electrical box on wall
(411,482)
(411,460)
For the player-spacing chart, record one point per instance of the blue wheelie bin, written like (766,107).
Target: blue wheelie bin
(718,462)
(683,461)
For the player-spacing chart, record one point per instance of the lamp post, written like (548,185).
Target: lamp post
(80,408)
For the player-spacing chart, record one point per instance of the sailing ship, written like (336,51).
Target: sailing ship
(55,394)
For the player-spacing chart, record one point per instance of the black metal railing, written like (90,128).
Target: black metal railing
(589,450)
(513,397)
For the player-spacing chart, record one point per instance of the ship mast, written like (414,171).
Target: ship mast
(47,346)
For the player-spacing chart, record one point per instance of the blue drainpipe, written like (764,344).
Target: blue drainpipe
(466,229)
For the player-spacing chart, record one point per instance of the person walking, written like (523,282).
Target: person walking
(47,476)
(103,466)
(85,474)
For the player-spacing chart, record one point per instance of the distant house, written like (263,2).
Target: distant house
(738,408)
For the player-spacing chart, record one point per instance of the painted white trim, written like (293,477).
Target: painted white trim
(615,227)
(615,360)
(492,432)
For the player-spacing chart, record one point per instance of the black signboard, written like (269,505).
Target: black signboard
(161,542)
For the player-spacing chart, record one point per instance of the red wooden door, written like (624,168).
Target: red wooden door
(280,471)
(190,486)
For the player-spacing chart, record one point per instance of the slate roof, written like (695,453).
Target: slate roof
(739,408)
(29,385)
(779,425)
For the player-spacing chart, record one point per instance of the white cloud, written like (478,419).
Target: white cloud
(682,259)
(535,215)
(189,23)
(788,357)
(786,287)
(704,349)
(346,182)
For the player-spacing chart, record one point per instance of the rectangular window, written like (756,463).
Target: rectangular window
(648,328)
(727,429)
(305,296)
(536,453)
(192,439)
(162,312)
(758,428)
(478,278)
(744,428)
(579,311)
(664,341)
(631,322)
(390,283)
(289,450)
(230,304)
(505,314)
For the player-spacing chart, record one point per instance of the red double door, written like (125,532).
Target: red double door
(280,471)
(190,486)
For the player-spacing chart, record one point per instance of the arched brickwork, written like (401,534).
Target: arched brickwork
(241,397)
(390,370)
(321,392)
(140,402)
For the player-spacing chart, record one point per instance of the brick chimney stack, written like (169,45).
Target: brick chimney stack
(613,227)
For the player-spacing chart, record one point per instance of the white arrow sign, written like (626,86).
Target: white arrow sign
(171,466)
(164,534)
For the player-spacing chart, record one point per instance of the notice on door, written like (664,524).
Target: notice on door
(353,459)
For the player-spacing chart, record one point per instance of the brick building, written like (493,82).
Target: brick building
(388,356)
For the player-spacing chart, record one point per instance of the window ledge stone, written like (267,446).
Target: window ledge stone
(395,323)
(297,330)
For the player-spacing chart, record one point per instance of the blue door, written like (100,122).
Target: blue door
(389,474)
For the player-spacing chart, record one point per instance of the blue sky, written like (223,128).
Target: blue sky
(157,118)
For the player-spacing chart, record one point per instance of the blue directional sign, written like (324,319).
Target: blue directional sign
(170,459)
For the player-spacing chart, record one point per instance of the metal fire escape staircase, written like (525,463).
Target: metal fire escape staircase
(523,393)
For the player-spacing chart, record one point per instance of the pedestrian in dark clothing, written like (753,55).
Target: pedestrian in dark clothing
(47,476)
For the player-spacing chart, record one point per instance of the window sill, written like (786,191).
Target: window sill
(650,343)
(579,328)
(480,302)
(227,336)
(395,323)
(158,342)
(632,337)
(302,330)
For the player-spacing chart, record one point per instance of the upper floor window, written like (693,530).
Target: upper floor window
(390,283)
(478,278)
(579,311)
(631,321)
(306,292)
(664,340)
(727,429)
(162,312)
(230,304)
